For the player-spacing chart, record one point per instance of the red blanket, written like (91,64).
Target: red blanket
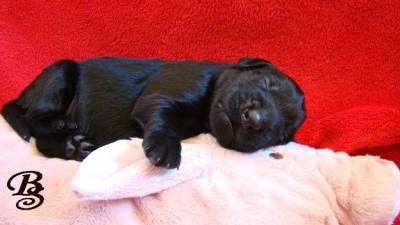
(344,54)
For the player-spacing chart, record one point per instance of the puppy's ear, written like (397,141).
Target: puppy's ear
(249,63)
(14,115)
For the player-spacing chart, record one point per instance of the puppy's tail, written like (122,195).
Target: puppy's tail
(13,114)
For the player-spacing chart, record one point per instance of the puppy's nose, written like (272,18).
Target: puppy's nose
(251,119)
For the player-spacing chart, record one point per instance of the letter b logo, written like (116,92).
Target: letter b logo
(29,186)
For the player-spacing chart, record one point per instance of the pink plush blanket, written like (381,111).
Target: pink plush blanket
(290,184)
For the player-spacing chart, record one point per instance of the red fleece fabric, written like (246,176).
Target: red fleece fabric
(344,54)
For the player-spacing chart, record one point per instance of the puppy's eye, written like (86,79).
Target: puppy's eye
(267,83)
(270,85)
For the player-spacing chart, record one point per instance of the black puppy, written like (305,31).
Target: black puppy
(72,108)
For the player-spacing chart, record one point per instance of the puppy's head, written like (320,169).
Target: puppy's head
(255,106)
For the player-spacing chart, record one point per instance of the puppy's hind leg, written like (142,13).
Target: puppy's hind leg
(44,104)
(51,92)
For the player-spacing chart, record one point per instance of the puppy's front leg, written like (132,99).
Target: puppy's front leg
(159,115)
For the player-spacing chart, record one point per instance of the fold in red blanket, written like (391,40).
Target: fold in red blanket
(344,54)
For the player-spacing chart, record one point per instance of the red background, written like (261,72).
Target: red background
(344,54)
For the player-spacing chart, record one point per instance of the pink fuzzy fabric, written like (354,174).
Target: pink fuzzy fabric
(118,185)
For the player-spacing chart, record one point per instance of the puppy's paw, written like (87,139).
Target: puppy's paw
(162,150)
(78,148)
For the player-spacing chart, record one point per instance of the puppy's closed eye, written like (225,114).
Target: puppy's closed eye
(270,85)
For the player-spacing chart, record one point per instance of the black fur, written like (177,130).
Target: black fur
(71,108)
